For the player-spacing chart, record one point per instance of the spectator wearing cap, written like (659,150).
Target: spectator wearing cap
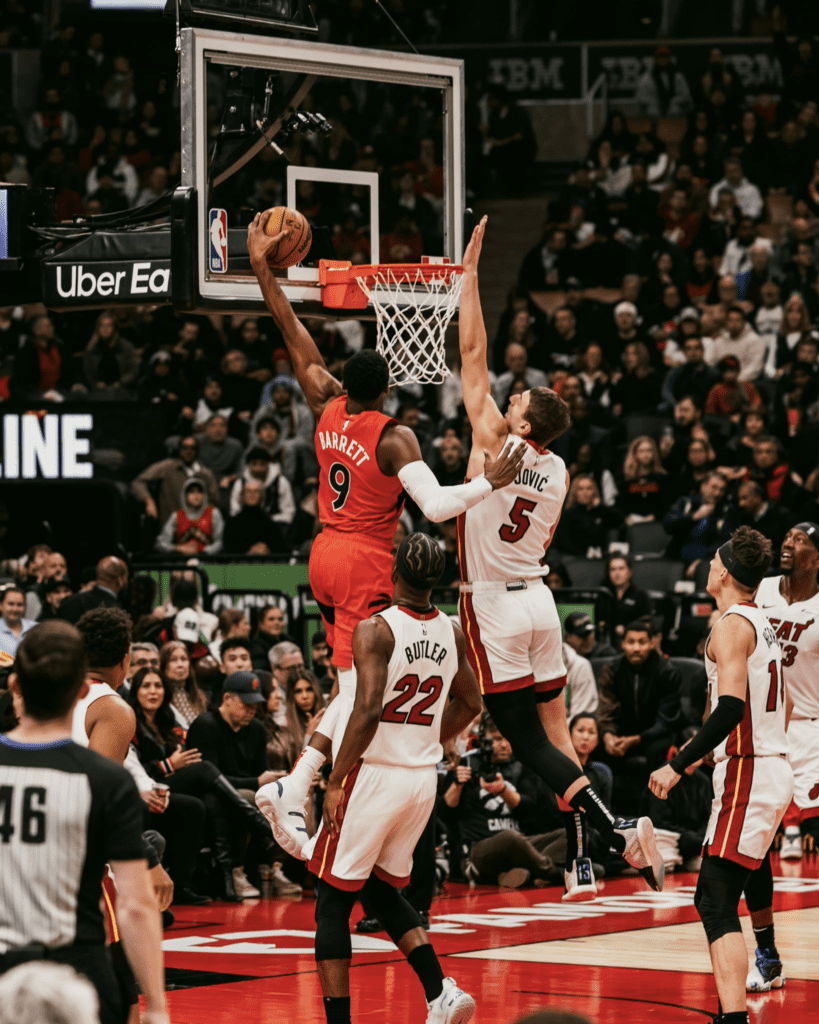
(517,371)
(278,494)
(732,397)
(185,594)
(294,418)
(55,591)
(698,523)
(624,329)
(221,454)
(579,633)
(756,511)
(251,531)
(741,340)
(233,739)
(746,195)
(196,528)
(187,628)
(13,627)
(663,91)
(171,475)
(110,579)
(737,256)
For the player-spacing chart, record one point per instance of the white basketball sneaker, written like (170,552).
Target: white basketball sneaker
(641,850)
(791,848)
(286,817)
(453,1005)
(580,884)
(767,972)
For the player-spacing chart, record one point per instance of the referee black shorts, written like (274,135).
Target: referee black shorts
(96,963)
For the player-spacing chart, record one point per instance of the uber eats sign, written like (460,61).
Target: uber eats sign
(54,446)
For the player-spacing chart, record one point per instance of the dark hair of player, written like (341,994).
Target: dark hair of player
(107,636)
(50,668)
(366,376)
(752,550)
(420,561)
(547,415)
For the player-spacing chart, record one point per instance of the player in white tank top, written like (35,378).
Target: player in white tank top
(382,789)
(791,603)
(752,779)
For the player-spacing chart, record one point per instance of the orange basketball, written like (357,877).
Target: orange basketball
(294,247)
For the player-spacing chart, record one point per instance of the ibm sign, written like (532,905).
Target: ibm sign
(46,447)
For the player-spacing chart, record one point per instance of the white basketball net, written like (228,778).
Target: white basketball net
(413,312)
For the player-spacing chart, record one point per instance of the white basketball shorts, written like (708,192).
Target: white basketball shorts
(803,738)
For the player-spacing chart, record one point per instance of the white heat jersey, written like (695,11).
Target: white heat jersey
(797,629)
(95,691)
(504,536)
(419,676)
(761,733)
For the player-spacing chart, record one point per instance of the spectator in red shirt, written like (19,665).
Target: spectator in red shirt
(43,370)
(194,529)
(681,225)
(732,397)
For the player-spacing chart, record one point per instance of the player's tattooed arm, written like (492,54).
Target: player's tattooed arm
(317,383)
(373,645)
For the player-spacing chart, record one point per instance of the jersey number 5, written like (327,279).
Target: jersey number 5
(409,686)
(777,686)
(339,477)
(520,519)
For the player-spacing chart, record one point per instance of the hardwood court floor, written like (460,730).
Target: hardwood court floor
(632,955)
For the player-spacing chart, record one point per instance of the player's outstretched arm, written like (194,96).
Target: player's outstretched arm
(732,643)
(400,455)
(488,425)
(317,383)
(465,696)
(373,644)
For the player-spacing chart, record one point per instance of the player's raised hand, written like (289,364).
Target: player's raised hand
(504,468)
(473,250)
(258,243)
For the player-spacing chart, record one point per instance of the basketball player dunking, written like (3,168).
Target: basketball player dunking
(753,782)
(366,462)
(791,603)
(514,640)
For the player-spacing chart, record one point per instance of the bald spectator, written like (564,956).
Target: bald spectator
(111,580)
(517,369)
(741,340)
(747,195)
(172,474)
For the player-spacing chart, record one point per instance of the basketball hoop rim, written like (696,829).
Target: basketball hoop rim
(344,285)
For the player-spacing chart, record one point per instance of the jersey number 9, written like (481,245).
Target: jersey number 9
(339,477)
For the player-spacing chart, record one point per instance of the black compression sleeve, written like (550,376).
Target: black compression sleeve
(726,716)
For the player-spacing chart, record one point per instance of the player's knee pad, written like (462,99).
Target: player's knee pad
(760,887)
(719,889)
(391,909)
(333,909)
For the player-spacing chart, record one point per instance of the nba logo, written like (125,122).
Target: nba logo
(218,241)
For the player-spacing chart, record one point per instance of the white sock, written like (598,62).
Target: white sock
(304,771)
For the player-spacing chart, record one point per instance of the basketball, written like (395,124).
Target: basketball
(292,249)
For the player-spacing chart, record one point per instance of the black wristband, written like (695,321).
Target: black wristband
(726,716)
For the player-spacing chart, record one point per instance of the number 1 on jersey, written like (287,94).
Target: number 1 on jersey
(777,685)
(520,518)
(339,477)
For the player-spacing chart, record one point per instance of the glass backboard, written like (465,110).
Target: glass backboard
(367,144)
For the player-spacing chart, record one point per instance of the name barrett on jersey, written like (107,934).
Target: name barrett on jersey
(348,446)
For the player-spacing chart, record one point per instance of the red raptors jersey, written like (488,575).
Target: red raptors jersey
(194,529)
(354,495)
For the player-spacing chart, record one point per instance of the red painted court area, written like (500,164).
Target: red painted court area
(631,955)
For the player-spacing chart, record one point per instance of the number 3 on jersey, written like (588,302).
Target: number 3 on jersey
(520,519)
(339,477)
